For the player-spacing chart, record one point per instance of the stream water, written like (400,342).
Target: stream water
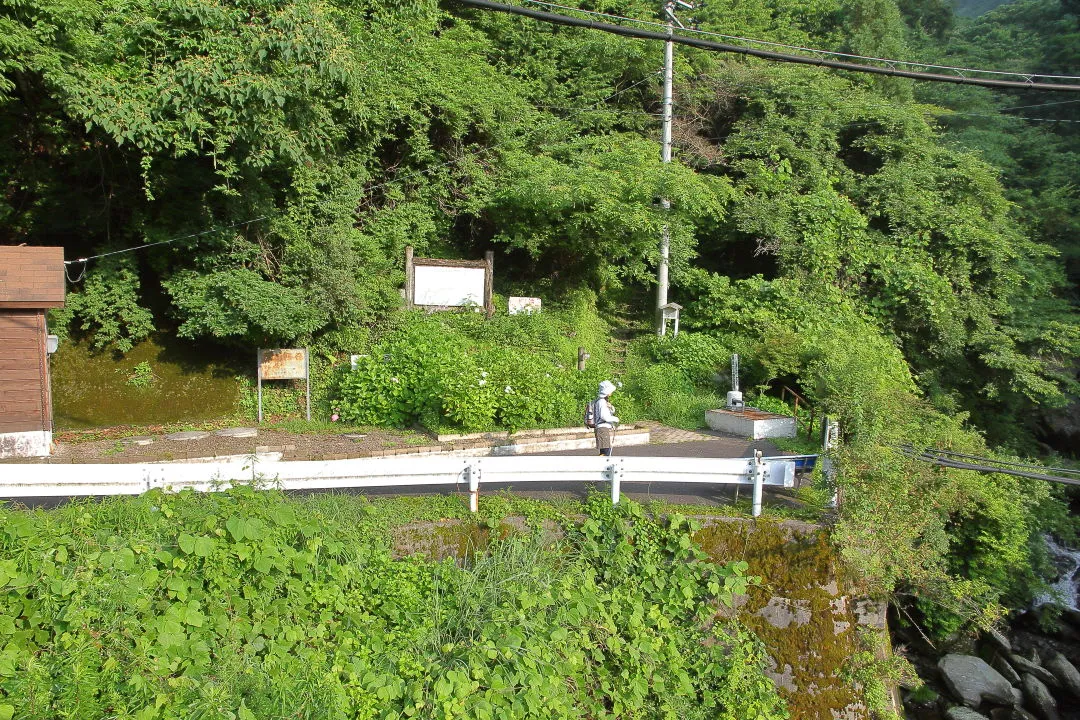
(1064,590)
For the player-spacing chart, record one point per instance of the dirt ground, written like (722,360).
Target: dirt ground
(128,444)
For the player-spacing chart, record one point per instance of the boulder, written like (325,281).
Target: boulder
(1065,672)
(1038,699)
(1013,713)
(1023,665)
(959,712)
(998,641)
(1071,616)
(1002,666)
(974,682)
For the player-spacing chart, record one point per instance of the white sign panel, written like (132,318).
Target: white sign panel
(452,286)
(523,305)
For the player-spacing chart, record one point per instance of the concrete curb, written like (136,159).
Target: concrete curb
(507,435)
(542,443)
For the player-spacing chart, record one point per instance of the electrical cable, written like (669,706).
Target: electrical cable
(1004,117)
(162,242)
(891,71)
(982,468)
(1023,107)
(816,51)
(1003,462)
(82,273)
(928,457)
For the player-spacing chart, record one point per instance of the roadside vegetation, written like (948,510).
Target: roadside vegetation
(247,604)
(903,255)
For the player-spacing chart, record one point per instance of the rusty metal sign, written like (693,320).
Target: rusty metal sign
(283,364)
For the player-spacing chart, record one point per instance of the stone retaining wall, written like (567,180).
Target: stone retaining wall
(810,612)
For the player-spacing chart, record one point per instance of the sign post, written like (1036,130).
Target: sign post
(282,364)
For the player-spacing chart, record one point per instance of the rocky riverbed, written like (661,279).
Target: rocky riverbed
(1029,672)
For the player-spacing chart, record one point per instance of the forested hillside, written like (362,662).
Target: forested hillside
(306,143)
(904,254)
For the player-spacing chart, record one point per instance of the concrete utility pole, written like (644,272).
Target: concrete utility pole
(668,11)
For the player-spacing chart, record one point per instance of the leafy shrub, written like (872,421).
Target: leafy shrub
(673,380)
(108,307)
(140,376)
(667,395)
(459,370)
(701,357)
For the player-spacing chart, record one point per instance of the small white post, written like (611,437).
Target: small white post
(307,380)
(830,439)
(616,482)
(759,479)
(258,373)
(474,487)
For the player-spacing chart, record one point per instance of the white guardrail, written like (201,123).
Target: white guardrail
(73,480)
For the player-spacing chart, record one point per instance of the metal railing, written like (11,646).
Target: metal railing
(784,392)
(57,480)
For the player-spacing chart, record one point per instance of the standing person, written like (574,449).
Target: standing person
(606,420)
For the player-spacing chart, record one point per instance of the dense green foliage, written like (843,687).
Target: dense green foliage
(248,605)
(303,149)
(903,254)
(961,541)
(462,371)
(1036,162)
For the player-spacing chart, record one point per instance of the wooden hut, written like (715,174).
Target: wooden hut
(31,282)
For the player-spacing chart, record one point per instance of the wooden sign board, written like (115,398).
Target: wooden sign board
(437,284)
(449,286)
(284,364)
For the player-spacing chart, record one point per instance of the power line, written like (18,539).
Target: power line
(1003,117)
(1023,107)
(943,458)
(816,51)
(162,242)
(1027,466)
(891,71)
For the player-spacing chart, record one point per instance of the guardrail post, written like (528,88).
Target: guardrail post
(473,471)
(615,474)
(759,479)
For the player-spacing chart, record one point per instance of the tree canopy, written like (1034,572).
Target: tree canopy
(297,146)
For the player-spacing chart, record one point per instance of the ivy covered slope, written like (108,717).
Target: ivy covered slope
(249,605)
